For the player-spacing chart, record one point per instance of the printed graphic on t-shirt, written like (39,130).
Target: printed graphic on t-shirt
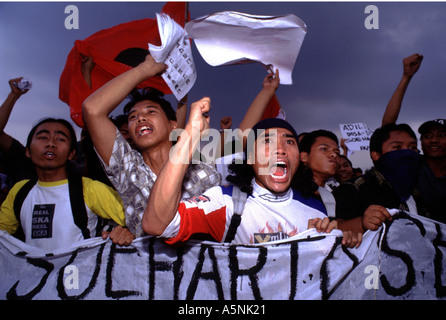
(198,199)
(268,234)
(42,222)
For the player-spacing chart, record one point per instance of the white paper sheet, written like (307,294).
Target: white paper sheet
(229,37)
(175,51)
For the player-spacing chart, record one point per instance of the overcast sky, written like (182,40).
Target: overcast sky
(344,73)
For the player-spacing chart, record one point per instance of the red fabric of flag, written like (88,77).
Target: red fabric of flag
(114,51)
(273,109)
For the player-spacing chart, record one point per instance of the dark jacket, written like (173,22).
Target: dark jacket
(352,199)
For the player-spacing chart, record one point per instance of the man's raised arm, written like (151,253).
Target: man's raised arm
(411,65)
(5,112)
(166,192)
(257,108)
(97,107)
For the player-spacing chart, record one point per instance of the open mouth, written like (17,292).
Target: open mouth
(144,130)
(49,155)
(279,170)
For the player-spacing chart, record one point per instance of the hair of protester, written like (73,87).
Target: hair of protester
(265,124)
(119,120)
(91,165)
(153,95)
(382,134)
(301,135)
(73,143)
(304,172)
(308,140)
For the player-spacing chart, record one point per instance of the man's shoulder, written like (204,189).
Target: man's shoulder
(199,177)
(122,150)
(311,201)
(92,185)
(17,187)
(371,176)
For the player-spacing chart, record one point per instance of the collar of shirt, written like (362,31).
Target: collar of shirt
(268,196)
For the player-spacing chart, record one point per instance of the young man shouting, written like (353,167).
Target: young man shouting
(273,210)
(151,119)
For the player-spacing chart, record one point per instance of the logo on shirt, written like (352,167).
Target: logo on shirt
(42,221)
(268,234)
(198,199)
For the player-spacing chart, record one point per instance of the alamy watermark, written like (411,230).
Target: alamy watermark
(372,280)
(258,150)
(71,280)
(372,20)
(72,18)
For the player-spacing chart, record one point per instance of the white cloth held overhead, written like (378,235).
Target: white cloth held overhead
(229,37)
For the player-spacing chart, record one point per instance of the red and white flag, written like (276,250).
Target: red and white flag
(274,110)
(114,51)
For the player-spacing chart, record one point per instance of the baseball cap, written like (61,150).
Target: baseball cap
(427,125)
(268,124)
(273,123)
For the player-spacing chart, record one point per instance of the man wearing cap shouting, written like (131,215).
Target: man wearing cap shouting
(272,211)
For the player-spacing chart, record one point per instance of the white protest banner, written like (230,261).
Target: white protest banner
(405,259)
(356,135)
(229,37)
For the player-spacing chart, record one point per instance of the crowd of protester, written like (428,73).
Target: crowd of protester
(126,178)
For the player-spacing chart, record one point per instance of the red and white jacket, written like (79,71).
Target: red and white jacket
(266,216)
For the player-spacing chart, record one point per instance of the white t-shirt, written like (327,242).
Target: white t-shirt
(47,219)
(266,216)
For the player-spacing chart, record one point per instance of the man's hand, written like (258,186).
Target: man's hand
(119,235)
(272,81)
(351,239)
(15,89)
(411,64)
(198,118)
(87,65)
(322,225)
(226,123)
(374,216)
(151,68)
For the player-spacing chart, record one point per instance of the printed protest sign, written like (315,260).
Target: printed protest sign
(356,135)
